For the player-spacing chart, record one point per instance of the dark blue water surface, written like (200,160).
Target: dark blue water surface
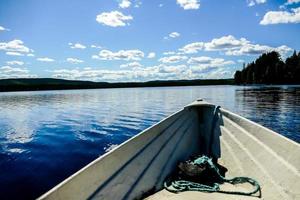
(46,136)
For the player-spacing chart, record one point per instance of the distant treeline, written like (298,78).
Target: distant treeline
(29,84)
(270,69)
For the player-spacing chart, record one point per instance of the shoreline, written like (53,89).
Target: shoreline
(43,84)
(51,84)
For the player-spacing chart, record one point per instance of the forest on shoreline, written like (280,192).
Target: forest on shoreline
(33,84)
(269,68)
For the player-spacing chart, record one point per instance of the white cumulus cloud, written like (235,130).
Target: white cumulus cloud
(169,53)
(138,3)
(91,74)
(125,4)
(172,59)
(130,74)
(290,2)
(132,64)
(254,2)
(133,54)
(169,69)
(232,46)
(225,42)
(189,4)
(174,34)
(151,55)
(3,29)
(212,73)
(256,49)
(15,72)
(74,60)
(281,17)
(76,46)
(222,43)
(204,61)
(157,72)
(192,47)
(45,59)
(96,46)
(113,19)
(9,53)
(16,46)
(15,62)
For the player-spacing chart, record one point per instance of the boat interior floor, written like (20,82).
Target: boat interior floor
(195,195)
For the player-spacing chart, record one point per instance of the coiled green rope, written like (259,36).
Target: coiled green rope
(183,185)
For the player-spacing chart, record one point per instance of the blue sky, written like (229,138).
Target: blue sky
(138,40)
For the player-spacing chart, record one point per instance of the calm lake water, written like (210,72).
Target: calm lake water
(46,136)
